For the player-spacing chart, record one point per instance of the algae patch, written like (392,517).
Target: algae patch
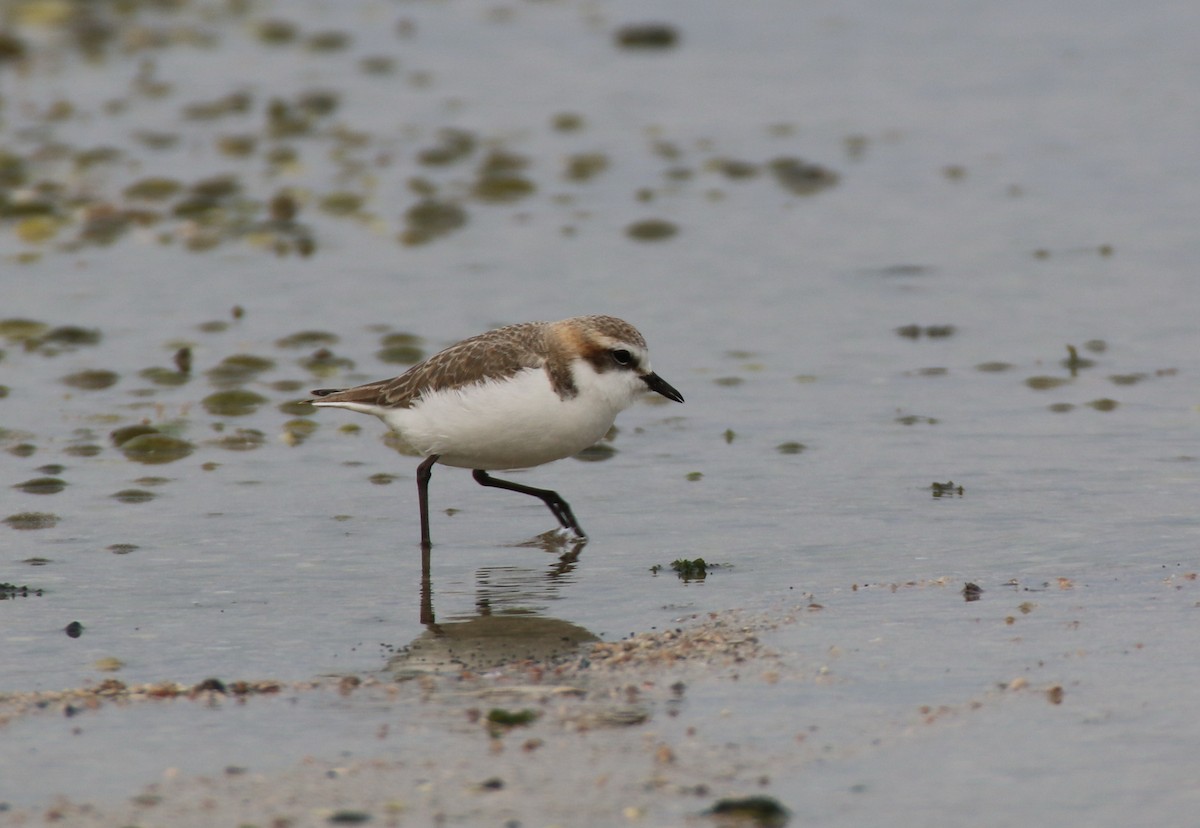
(235,402)
(32,520)
(92,380)
(155,447)
(42,485)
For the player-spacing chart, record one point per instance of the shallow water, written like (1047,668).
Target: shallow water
(1021,173)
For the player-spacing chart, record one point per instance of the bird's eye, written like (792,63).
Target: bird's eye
(622,356)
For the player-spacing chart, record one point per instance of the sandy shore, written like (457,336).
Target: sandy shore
(599,738)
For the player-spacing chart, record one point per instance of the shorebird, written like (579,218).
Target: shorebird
(512,398)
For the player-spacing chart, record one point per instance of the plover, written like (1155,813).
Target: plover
(512,398)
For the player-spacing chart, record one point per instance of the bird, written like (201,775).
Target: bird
(515,397)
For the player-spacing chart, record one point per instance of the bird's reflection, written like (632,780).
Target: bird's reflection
(490,587)
(503,627)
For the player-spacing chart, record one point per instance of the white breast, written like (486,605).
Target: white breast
(513,423)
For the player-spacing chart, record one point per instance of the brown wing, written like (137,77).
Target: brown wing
(493,355)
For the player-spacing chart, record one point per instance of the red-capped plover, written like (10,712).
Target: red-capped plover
(512,398)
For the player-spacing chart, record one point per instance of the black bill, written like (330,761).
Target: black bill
(663,387)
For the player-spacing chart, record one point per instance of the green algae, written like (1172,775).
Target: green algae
(651,230)
(153,189)
(307,339)
(156,448)
(19,330)
(596,453)
(124,434)
(42,485)
(800,177)
(750,811)
(32,520)
(431,219)
(239,368)
(134,496)
(324,362)
(453,146)
(164,376)
(646,36)
(234,402)
(91,380)
(241,439)
(400,349)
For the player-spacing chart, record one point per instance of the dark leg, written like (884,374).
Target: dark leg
(424,472)
(558,507)
(426,589)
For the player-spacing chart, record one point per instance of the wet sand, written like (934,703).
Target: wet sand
(605,742)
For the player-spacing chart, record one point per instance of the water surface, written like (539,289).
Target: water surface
(1009,180)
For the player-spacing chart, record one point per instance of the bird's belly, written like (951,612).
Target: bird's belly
(513,424)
